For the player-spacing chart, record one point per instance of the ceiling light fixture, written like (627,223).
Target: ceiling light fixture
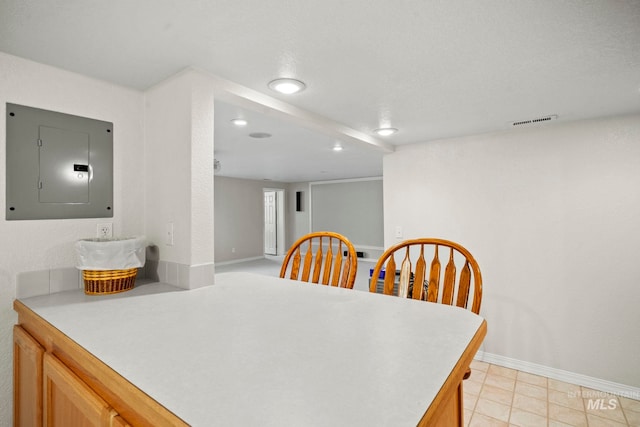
(385,131)
(239,122)
(337,147)
(287,86)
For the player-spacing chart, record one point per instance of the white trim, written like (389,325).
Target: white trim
(561,375)
(202,264)
(334,181)
(236,261)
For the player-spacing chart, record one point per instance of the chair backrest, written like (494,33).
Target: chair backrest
(319,258)
(463,289)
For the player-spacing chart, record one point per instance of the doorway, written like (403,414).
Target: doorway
(273,221)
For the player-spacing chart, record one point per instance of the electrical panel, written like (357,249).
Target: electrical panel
(58,165)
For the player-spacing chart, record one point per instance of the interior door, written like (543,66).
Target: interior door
(270,222)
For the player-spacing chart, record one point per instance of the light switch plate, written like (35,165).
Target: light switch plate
(169,234)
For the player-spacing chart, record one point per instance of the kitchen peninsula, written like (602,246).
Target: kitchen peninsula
(249,350)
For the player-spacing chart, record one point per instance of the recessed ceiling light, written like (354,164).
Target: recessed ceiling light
(239,122)
(260,135)
(385,131)
(287,86)
(337,147)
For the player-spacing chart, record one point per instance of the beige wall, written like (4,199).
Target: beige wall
(300,223)
(239,217)
(552,214)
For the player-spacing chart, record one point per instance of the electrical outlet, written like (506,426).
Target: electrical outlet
(105,230)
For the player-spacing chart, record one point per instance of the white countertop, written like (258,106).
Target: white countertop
(258,350)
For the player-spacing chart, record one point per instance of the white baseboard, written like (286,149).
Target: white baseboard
(236,261)
(561,375)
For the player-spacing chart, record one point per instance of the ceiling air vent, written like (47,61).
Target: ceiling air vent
(535,121)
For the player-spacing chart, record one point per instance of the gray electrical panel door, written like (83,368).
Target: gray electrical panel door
(58,165)
(64,166)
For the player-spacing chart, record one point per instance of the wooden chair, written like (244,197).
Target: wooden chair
(463,289)
(327,265)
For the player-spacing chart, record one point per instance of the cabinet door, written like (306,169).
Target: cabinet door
(27,379)
(67,401)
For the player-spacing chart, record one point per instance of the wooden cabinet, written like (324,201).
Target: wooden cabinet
(27,379)
(67,401)
(57,383)
(47,393)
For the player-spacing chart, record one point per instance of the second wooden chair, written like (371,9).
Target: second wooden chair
(463,290)
(413,280)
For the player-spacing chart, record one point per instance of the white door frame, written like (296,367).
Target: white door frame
(280,219)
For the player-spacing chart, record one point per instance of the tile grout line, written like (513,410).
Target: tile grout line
(547,401)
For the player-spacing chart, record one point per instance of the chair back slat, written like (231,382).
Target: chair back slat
(295,266)
(418,289)
(306,268)
(463,287)
(389,276)
(345,273)
(449,280)
(405,276)
(337,265)
(326,270)
(434,277)
(320,262)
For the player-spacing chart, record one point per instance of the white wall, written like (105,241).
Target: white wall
(553,217)
(179,177)
(48,244)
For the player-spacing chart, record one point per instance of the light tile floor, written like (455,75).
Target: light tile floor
(498,396)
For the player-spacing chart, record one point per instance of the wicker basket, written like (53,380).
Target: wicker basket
(100,282)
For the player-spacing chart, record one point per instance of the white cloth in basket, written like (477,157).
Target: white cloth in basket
(110,254)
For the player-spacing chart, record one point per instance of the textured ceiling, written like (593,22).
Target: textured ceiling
(432,69)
